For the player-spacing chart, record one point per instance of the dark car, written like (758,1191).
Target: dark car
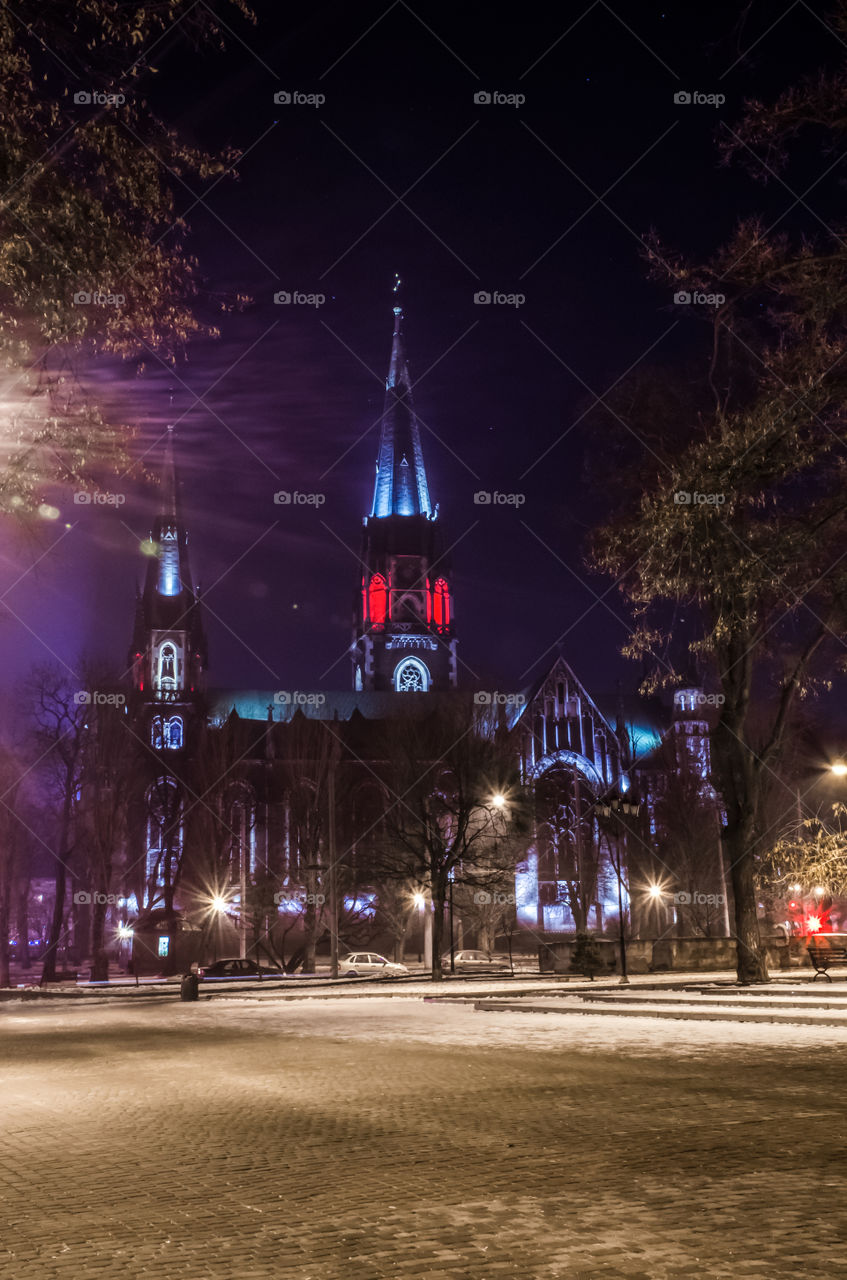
(238,969)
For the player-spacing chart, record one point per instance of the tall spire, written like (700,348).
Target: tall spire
(169,488)
(169,534)
(401,488)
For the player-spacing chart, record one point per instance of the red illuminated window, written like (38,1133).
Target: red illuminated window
(378,598)
(441,608)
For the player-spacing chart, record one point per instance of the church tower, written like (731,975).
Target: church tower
(403,635)
(168,655)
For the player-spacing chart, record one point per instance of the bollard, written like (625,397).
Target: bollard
(188,987)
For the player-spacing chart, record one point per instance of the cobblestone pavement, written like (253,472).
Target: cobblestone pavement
(340,1140)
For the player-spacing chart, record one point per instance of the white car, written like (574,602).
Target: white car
(360,964)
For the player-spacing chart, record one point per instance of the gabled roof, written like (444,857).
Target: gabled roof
(643,717)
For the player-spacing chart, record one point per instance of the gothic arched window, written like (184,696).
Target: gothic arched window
(411,676)
(156,733)
(172,734)
(378,600)
(164,836)
(167,667)
(442,604)
(241,822)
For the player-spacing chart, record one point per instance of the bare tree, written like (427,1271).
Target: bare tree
(58,712)
(448,773)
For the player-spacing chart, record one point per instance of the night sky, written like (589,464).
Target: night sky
(401,171)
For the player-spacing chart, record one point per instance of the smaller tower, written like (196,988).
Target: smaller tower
(690,731)
(403,637)
(168,656)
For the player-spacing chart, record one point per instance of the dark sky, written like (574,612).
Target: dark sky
(400,170)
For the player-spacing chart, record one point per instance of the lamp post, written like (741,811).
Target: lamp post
(452,939)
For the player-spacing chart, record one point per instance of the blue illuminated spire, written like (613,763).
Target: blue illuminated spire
(401,488)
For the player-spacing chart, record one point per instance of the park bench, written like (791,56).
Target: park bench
(826,950)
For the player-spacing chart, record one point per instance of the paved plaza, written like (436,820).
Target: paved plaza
(336,1139)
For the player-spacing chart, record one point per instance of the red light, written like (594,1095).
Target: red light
(378,596)
(793,906)
(442,604)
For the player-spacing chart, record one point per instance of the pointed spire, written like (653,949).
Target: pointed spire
(401,487)
(169,487)
(168,532)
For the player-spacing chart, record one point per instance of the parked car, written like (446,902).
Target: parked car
(365,963)
(237,969)
(476,962)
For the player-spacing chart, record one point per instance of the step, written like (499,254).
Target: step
(707,1014)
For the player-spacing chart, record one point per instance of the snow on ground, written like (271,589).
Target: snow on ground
(391,1021)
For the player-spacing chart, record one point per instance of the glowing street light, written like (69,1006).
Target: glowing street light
(498,801)
(419,901)
(655,891)
(839,769)
(125,932)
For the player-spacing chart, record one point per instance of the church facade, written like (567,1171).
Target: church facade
(251,798)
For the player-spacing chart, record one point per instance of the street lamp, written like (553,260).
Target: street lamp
(839,769)
(498,801)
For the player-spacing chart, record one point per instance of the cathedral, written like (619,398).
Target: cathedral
(252,796)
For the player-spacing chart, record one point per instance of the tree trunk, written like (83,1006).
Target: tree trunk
(99,956)
(400,941)
(752,959)
(48,972)
(310,920)
(439,897)
(22,915)
(739,784)
(5,921)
